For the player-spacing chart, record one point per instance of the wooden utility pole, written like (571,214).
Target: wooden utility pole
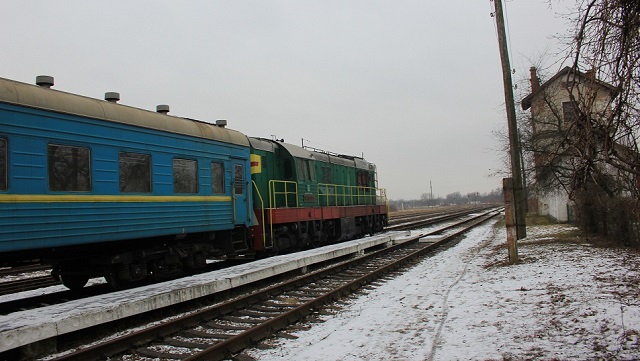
(514,143)
(510,219)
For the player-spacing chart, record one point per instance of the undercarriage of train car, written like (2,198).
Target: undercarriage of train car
(125,263)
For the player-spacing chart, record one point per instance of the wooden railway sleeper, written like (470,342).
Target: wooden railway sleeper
(266,308)
(242,320)
(188,344)
(208,335)
(157,354)
(253,313)
(349,275)
(215,325)
(278,301)
(300,295)
(316,289)
(313,287)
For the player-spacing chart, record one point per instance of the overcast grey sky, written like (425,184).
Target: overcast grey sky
(415,86)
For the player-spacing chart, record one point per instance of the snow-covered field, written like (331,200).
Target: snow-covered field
(567,299)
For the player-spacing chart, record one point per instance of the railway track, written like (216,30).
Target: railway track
(32,279)
(224,329)
(13,271)
(419,220)
(27,284)
(416,213)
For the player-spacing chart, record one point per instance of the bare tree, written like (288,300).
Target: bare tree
(607,40)
(585,142)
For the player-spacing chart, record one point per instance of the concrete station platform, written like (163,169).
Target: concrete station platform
(32,326)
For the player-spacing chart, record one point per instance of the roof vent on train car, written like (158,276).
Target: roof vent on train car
(112,97)
(162,108)
(221,123)
(44,81)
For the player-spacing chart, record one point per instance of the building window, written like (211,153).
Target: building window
(238,179)
(135,172)
(69,168)
(3,164)
(217,177)
(569,111)
(185,176)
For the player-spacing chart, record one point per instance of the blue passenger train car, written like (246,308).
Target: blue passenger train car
(101,189)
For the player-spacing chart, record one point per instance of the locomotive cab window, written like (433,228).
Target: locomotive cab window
(69,168)
(288,170)
(305,170)
(135,172)
(185,176)
(363,178)
(217,177)
(238,179)
(3,164)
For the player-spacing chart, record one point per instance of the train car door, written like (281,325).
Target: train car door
(239,182)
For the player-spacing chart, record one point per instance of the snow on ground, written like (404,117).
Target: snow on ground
(567,299)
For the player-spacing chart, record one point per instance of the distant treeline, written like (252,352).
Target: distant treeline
(455,198)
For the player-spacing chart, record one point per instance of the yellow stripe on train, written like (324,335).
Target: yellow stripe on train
(89,198)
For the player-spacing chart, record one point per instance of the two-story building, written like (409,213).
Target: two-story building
(554,107)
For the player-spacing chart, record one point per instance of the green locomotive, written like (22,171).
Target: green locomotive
(306,197)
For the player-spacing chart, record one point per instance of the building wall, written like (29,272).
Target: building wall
(555,206)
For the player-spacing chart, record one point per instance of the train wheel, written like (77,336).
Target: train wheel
(117,283)
(296,243)
(74,282)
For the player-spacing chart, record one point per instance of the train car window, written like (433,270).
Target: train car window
(185,176)
(69,168)
(217,177)
(135,172)
(3,164)
(238,179)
